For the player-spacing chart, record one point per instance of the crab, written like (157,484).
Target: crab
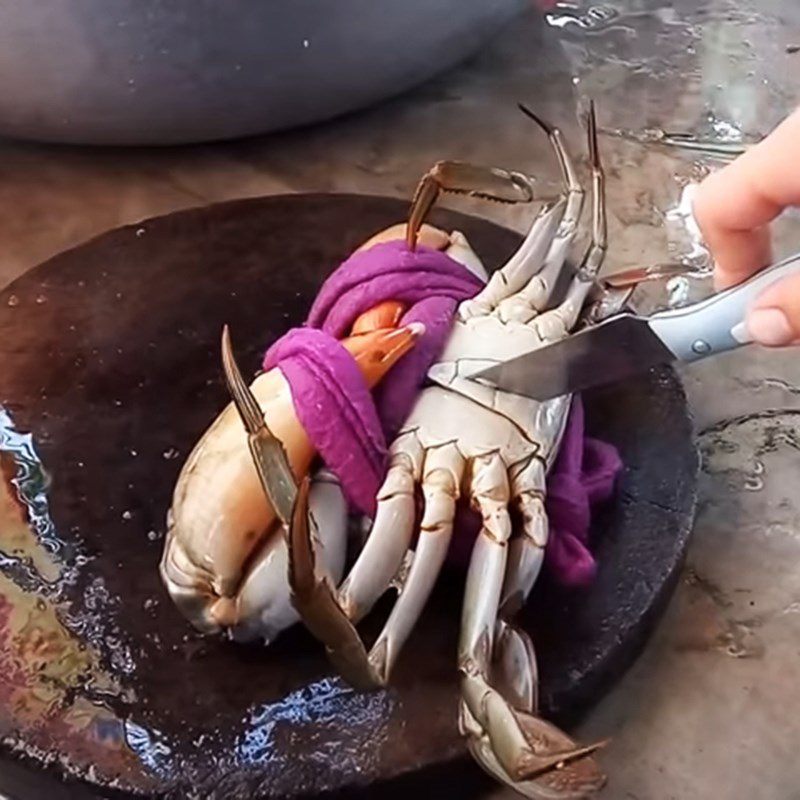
(464,442)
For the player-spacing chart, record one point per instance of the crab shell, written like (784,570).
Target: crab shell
(225,558)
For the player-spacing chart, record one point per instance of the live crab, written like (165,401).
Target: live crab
(255,544)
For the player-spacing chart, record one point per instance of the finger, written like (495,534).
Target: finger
(774,321)
(734,206)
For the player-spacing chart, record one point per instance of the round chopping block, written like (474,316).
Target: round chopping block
(177,71)
(109,372)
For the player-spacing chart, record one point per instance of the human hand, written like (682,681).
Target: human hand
(734,207)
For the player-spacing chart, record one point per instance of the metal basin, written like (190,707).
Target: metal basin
(180,71)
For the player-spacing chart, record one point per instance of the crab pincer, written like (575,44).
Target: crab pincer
(224,562)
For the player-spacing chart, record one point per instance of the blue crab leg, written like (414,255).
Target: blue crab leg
(523,287)
(526,551)
(329,615)
(534,297)
(316,602)
(585,279)
(473,180)
(725,151)
(528,259)
(716,148)
(525,751)
(612,294)
(382,557)
(441,478)
(596,252)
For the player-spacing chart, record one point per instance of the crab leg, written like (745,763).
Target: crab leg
(514,671)
(534,297)
(566,315)
(315,601)
(384,551)
(726,151)
(485,706)
(596,252)
(458,177)
(441,479)
(523,287)
(528,259)
(518,747)
(526,552)
(263,606)
(318,601)
(318,606)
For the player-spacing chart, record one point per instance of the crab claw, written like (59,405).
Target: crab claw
(377,351)
(221,527)
(263,607)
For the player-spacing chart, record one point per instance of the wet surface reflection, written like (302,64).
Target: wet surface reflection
(54,688)
(68,670)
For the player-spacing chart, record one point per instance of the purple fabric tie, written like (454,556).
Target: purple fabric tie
(350,426)
(583,477)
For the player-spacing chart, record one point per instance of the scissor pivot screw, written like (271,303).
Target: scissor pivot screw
(701,347)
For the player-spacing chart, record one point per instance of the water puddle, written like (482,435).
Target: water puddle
(54,685)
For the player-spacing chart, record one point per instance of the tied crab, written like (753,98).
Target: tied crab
(256,543)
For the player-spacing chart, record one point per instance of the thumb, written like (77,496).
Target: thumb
(774,320)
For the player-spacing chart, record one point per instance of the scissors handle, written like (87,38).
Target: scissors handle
(710,326)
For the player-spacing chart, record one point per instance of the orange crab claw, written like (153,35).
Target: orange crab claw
(379,350)
(385,315)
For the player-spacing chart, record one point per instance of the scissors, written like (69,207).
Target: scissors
(626,344)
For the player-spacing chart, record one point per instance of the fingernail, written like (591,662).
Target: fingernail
(770,327)
(742,333)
